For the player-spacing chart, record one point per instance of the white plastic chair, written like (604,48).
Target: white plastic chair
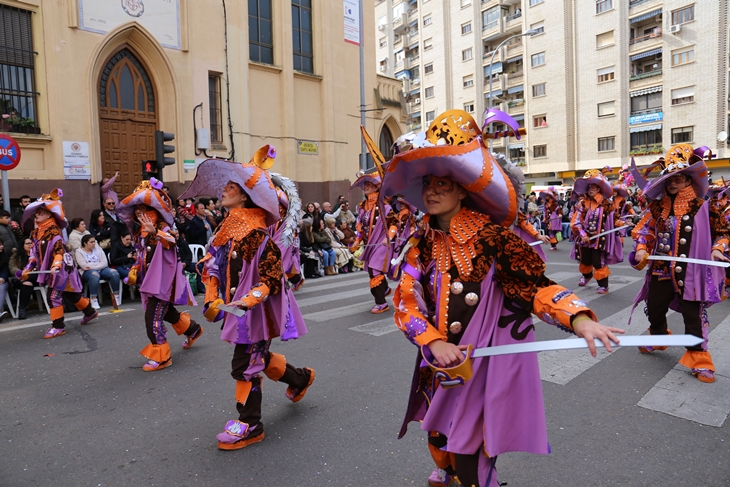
(198,252)
(41,293)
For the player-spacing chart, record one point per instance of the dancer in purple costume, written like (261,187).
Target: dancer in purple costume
(468,279)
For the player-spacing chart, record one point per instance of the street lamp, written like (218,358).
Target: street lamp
(530,33)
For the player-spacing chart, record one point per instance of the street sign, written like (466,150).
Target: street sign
(9,153)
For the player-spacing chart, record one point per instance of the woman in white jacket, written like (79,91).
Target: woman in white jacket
(78,227)
(93,267)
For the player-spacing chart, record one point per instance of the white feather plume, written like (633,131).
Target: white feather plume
(290,235)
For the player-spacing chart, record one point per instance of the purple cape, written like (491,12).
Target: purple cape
(281,308)
(157,281)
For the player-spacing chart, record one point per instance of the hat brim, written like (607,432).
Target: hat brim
(470,165)
(28,221)
(697,172)
(214,174)
(582,184)
(367,178)
(148,197)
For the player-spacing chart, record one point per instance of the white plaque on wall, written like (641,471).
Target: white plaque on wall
(160,17)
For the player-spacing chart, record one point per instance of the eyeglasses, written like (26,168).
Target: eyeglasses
(110,203)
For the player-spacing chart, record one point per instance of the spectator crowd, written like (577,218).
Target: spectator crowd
(103,252)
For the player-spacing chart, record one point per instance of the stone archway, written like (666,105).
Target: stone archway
(127,118)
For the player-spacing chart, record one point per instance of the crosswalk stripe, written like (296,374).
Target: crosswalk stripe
(377,328)
(339,312)
(562,366)
(681,395)
(334,285)
(67,318)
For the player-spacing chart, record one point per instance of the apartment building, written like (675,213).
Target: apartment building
(595,82)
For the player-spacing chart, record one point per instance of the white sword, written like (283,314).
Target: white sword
(608,231)
(232,310)
(572,343)
(689,260)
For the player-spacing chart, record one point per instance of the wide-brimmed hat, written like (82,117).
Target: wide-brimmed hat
(620,189)
(593,176)
(147,193)
(370,176)
(717,188)
(681,159)
(549,193)
(214,174)
(52,203)
(453,148)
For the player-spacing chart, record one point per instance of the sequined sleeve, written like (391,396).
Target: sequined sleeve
(411,311)
(720,229)
(526,226)
(59,249)
(521,274)
(644,232)
(270,270)
(576,222)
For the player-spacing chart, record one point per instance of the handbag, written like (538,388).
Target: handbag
(106,244)
(193,281)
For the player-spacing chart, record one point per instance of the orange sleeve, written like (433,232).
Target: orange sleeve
(558,306)
(411,313)
(643,233)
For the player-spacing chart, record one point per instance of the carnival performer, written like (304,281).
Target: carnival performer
(158,272)
(552,217)
(680,223)
(718,199)
(594,215)
(243,269)
(524,229)
(468,279)
(285,232)
(55,266)
(373,237)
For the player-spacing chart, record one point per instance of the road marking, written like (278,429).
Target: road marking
(377,328)
(335,297)
(67,318)
(330,314)
(334,285)
(681,395)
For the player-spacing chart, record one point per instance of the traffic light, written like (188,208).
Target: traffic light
(149,170)
(161,149)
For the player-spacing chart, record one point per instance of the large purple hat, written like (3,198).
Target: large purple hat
(148,193)
(681,159)
(549,193)
(52,203)
(453,149)
(593,176)
(214,174)
(620,189)
(371,176)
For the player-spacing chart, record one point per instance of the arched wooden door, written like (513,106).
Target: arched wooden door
(386,143)
(128,120)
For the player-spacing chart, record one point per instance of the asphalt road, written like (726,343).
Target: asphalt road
(78,410)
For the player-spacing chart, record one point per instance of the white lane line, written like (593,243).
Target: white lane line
(562,276)
(67,318)
(335,298)
(562,366)
(681,395)
(377,328)
(352,309)
(332,285)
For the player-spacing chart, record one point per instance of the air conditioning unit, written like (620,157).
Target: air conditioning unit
(381,27)
(675,29)
(383,68)
(417,101)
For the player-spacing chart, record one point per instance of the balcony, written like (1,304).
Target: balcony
(488,56)
(636,6)
(492,29)
(412,14)
(516,108)
(512,22)
(646,41)
(412,62)
(645,79)
(399,23)
(514,49)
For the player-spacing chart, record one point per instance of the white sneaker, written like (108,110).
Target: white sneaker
(95,303)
